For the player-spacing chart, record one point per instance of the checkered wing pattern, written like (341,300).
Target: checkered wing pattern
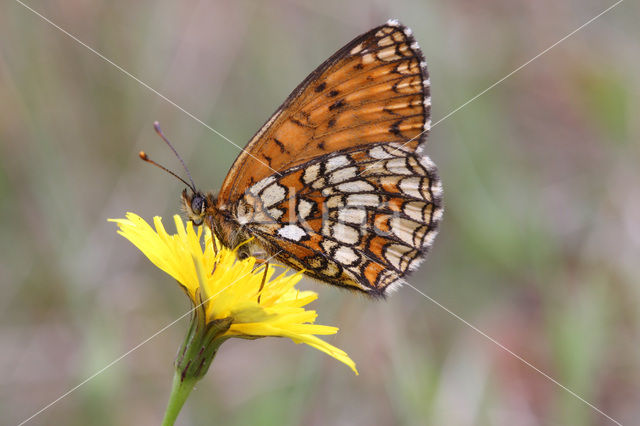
(336,180)
(360,218)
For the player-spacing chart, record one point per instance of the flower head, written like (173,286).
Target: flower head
(233,296)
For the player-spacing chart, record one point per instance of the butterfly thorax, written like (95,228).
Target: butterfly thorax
(203,208)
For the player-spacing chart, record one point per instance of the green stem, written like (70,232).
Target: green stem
(194,357)
(179,393)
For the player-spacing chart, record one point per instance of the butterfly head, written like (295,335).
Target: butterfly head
(202,208)
(195,204)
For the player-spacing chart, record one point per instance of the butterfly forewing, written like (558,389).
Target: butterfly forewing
(375,89)
(345,192)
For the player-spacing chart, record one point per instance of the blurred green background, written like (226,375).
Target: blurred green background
(540,244)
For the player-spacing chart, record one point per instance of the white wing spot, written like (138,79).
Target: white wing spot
(414,210)
(379,153)
(319,183)
(411,186)
(368,58)
(346,255)
(355,186)
(428,164)
(342,175)
(328,245)
(292,232)
(276,213)
(394,254)
(397,149)
(273,194)
(356,49)
(344,233)
(311,173)
(403,229)
(335,162)
(334,202)
(398,166)
(388,54)
(370,200)
(354,216)
(304,208)
(255,189)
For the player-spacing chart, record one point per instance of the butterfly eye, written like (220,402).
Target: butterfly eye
(198,205)
(243,253)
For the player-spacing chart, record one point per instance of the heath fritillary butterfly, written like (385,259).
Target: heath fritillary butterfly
(336,183)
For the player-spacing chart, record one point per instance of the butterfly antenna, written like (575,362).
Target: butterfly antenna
(156,126)
(143,156)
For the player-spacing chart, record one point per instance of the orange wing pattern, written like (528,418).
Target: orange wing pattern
(347,194)
(373,90)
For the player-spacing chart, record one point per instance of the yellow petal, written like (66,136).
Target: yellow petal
(229,287)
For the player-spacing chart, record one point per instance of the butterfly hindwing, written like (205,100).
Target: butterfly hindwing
(360,218)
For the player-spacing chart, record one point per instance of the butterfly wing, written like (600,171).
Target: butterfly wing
(373,90)
(335,180)
(361,218)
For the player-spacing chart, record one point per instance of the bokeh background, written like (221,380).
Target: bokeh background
(539,248)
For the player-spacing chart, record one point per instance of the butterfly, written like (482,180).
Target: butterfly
(336,183)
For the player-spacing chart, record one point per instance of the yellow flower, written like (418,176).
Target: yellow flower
(227,293)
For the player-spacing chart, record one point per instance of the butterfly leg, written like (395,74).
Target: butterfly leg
(264,279)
